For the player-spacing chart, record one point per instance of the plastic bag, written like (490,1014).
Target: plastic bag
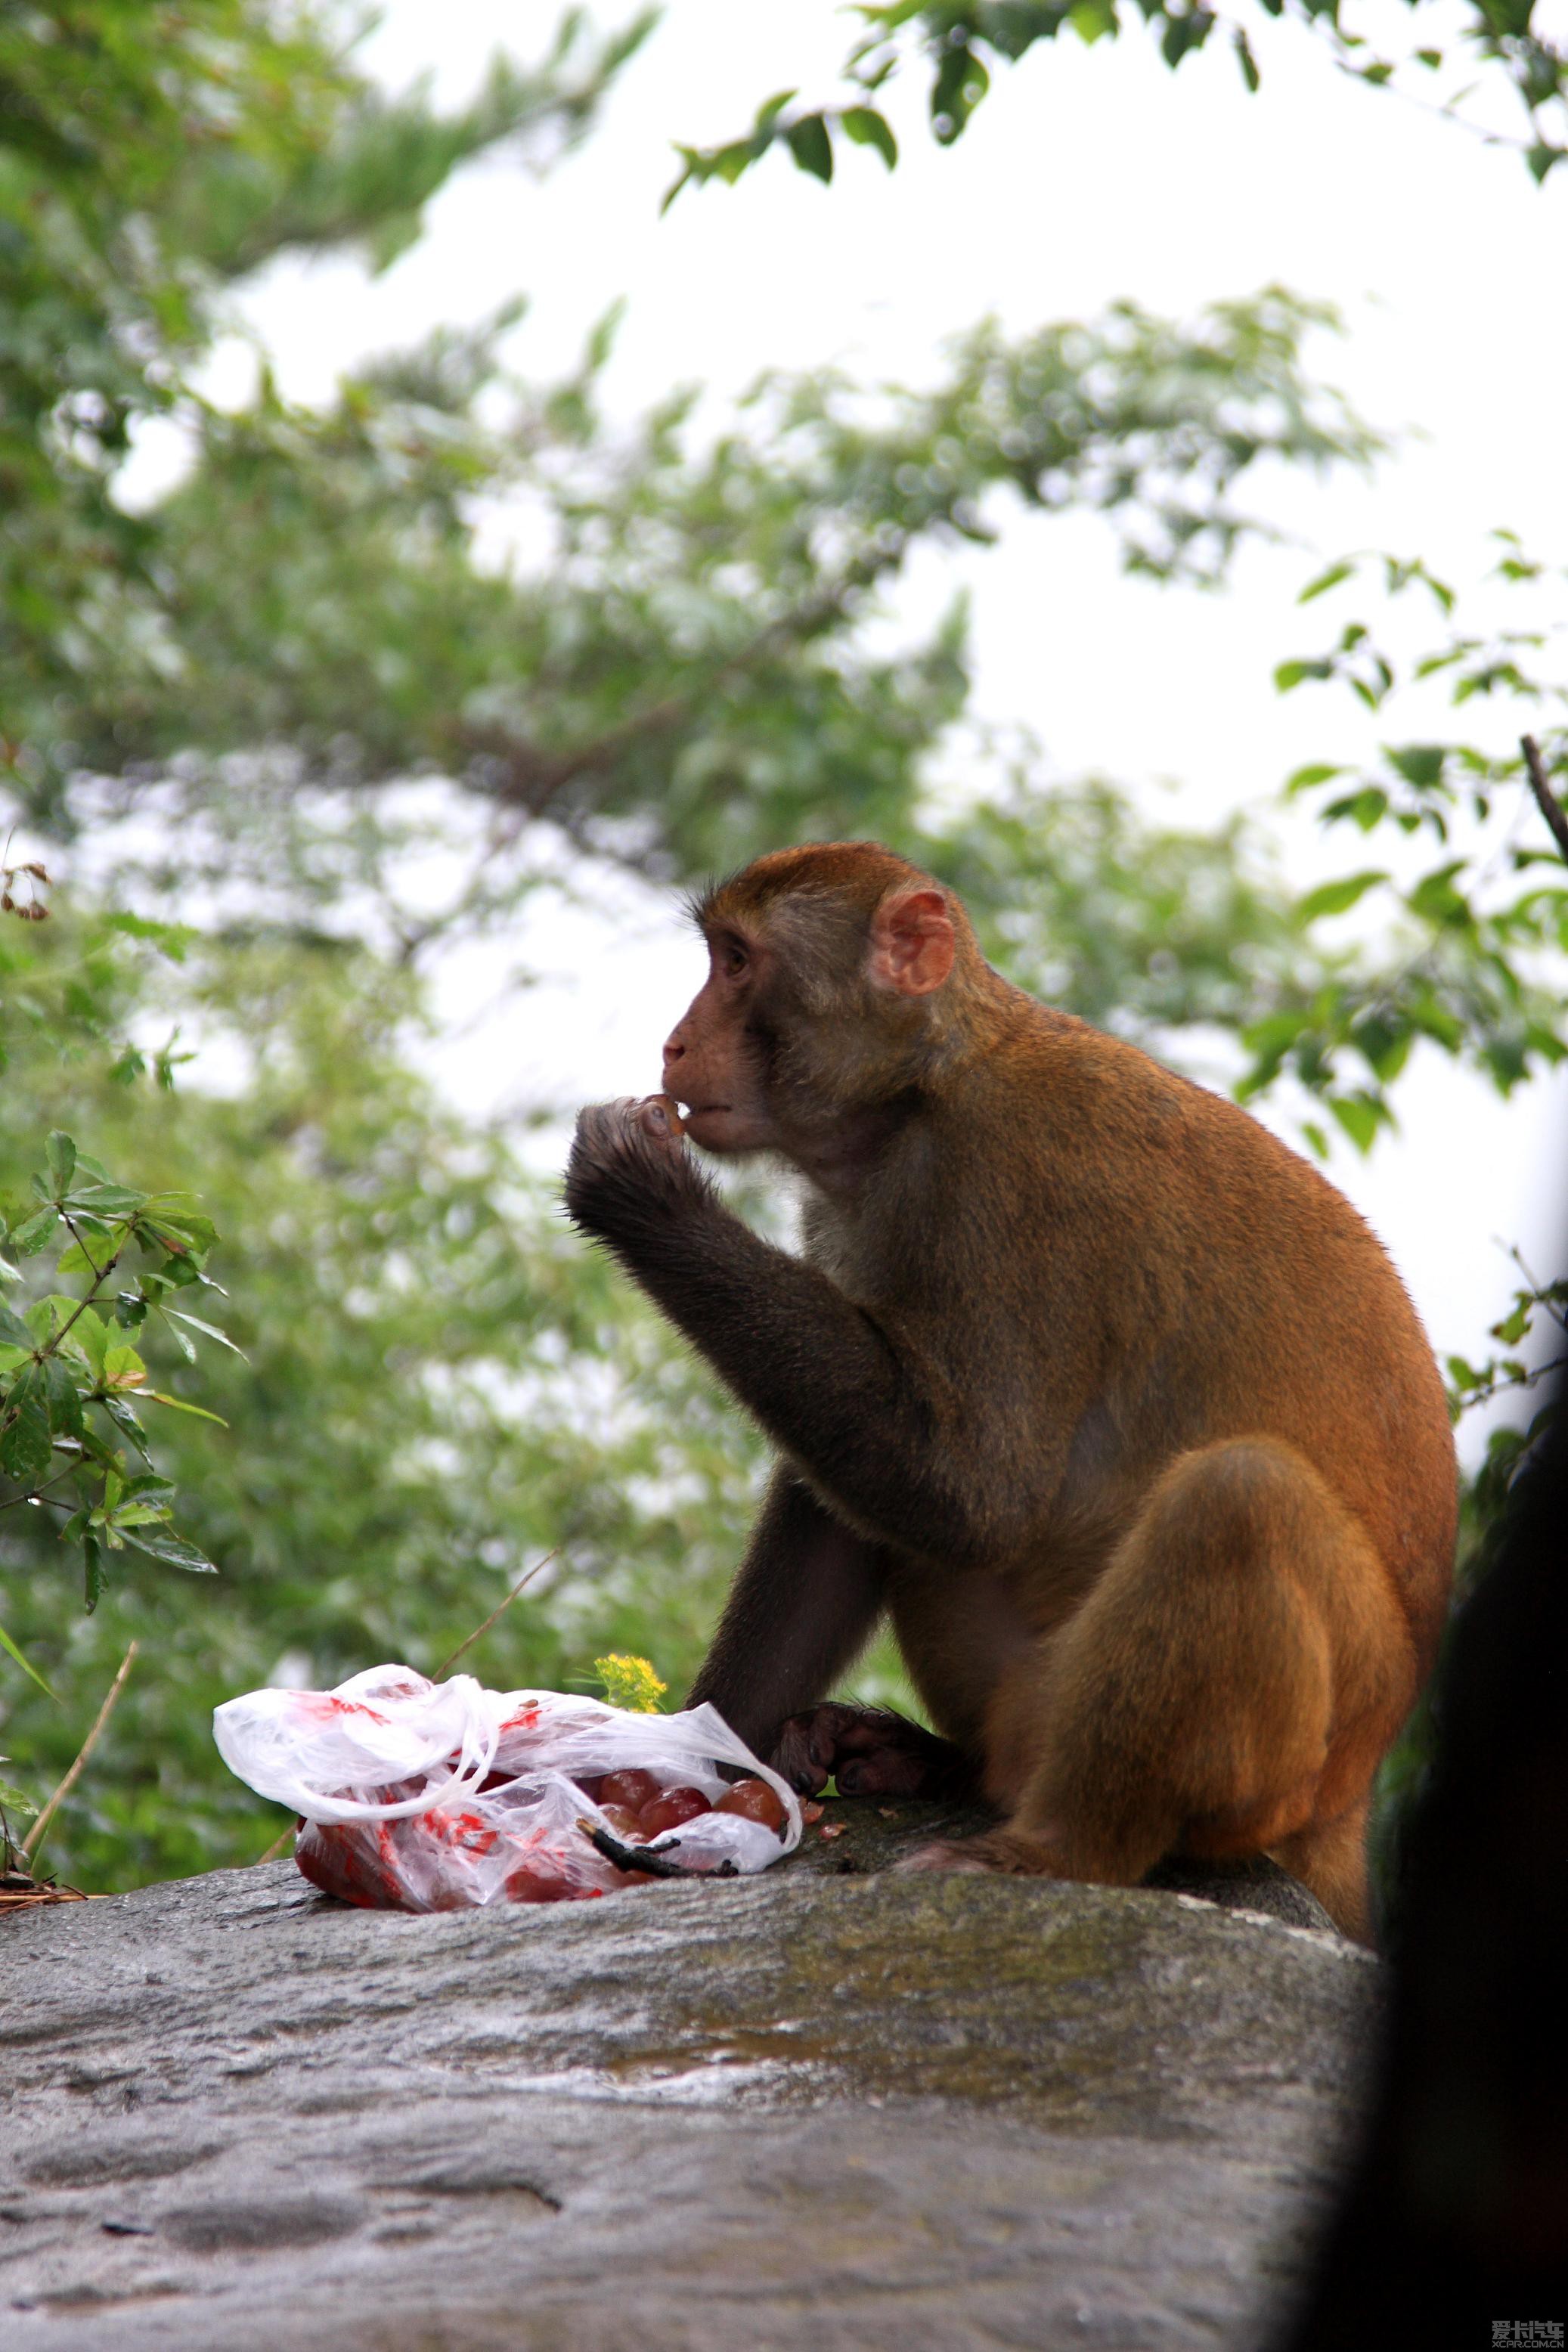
(423,1796)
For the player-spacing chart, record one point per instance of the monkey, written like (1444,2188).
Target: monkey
(1102,1397)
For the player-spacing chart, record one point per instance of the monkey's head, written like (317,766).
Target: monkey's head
(837,979)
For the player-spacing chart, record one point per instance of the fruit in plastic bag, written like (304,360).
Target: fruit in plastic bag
(754,1800)
(668,1811)
(430,1797)
(632,1790)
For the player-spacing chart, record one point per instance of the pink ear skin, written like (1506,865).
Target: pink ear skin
(913,945)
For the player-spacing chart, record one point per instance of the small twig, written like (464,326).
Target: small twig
(658,1864)
(444,1668)
(1546,800)
(41,1494)
(30,1843)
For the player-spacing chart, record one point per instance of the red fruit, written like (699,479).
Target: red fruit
(634,1789)
(539,1884)
(755,1801)
(624,1823)
(668,1812)
(592,1785)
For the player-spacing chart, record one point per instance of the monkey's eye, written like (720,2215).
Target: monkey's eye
(733,959)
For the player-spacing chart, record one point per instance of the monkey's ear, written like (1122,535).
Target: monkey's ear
(912,944)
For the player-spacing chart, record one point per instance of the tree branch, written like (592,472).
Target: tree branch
(1546,800)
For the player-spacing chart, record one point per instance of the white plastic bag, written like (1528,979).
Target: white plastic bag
(424,1796)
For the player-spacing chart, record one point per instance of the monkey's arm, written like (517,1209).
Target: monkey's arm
(802,1606)
(823,1378)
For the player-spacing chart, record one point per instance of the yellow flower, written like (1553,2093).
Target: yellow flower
(630,1683)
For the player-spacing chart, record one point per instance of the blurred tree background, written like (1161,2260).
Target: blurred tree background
(253,717)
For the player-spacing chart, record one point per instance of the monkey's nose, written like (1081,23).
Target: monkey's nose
(673,1050)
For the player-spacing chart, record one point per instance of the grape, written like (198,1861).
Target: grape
(633,1789)
(668,1812)
(754,1800)
(624,1823)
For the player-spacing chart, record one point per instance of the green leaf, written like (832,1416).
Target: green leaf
(870,128)
(92,1570)
(121,1362)
(11,1650)
(810,146)
(108,1200)
(172,1550)
(91,1334)
(17,1803)
(1325,582)
(178,1315)
(1435,899)
(29,1239)
(1306,779)
(26,1447)
(1361,1116)
(1366,808)
(1420,764)
(64,1402)
(1512,1327)
(1335,897)
(180,1405)
(125,1421)
(75,1260)
(1291,674)
(15,1332)
(187,1347)
(61,1153)
(769,111)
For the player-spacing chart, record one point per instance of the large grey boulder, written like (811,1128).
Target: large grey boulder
(825,2108)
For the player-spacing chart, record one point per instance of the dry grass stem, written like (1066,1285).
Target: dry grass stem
(34,1838)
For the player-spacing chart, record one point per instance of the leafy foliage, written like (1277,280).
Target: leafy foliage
(71,1378)
(1477,928)
(148,156)
(956,39)
(684,676)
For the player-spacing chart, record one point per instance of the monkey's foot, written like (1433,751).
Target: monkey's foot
(870,1751)
(1004,1851)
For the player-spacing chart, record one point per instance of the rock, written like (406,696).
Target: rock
(827,2107)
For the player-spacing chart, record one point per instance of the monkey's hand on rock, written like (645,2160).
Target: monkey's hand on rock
(870,1751)
(627,1156)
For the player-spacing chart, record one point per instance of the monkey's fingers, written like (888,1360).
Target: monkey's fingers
(659,1116)
(871,1751)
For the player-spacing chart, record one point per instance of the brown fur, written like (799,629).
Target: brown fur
(1108,1398)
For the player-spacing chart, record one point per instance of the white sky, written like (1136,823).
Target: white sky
(1086,176)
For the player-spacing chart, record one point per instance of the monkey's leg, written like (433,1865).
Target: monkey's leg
(1227,1688)
(802,1608)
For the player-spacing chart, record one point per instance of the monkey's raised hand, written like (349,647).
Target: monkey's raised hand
(624,1156)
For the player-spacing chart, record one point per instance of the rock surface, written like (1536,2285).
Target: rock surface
(828,2107)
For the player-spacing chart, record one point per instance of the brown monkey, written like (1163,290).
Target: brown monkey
(1107,1399)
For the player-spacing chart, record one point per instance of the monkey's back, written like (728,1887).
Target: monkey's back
(1213,1284)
